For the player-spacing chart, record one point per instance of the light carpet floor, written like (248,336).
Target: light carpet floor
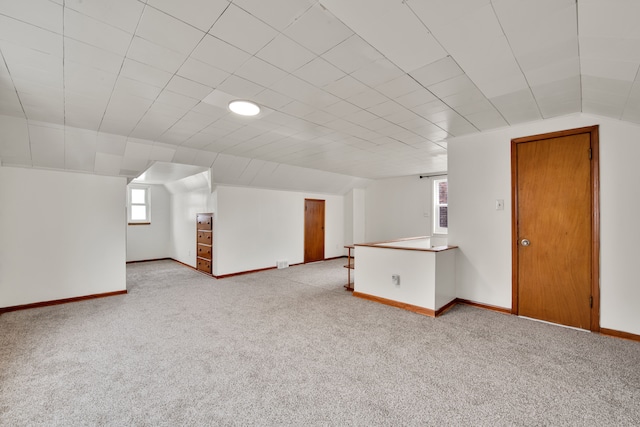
(292,347)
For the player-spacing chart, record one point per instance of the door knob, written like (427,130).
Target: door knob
(525,242)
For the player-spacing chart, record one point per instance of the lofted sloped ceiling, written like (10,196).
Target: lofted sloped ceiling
(360,88)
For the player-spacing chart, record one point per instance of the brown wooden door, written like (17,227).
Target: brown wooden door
(554,228)
(313,230)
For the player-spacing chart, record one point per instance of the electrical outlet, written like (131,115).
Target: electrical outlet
(499,204)
(395,279)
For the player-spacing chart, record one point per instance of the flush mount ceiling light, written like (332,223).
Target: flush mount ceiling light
(244,108)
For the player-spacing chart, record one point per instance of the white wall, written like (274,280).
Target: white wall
(426,278)
(254,228)
(354,216)
(480,172)
(62,235)
(153,241)
(396,208)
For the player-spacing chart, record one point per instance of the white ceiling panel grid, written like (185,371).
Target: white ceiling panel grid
(366,87)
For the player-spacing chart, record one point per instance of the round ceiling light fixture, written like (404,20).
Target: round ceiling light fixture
(244,108)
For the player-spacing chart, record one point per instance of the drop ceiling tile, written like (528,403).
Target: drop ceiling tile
(240,88)
(110,143)
(80,149)
(457,126)
(345,87)
(294,87)
(532,25)
(367,99)
(133,164)
(554,71)
(318,30)
(27,36)
(562,90)
(81,78)
(399,86)
(40,13)
(204,159)
(47,146)
(320,117)
(145,73)
(631,115)
(108,164)
(161,153)
(602,109)
(202,73)
(554,108)
(559,51)
(198,141)
(242,30)
(123,14)
(591,94)
(188,88)
(200,13)
(198,121)
(341,108)
(319,72)
(127,107)
(260,72)
(610,48)
(392,28)
(96,33)
(377,73)
(484,120)
(30,68)
(272,99)
(92,56)
(167,31)
(220,54)
(114,125)
(452,86)
(172,104)
(602,19)
(10,104)
(286,54)
(436,72)
(321,99)
(297,109)
(612,86)
(154,55)
(136,88)
(138,150)
(472,96)
(402,116)
(386,108)
(84,118)
(14,139)
(151,126)
(428,109)
(415,98)
(617,70)
(277,13)
(360,117)
(352,54)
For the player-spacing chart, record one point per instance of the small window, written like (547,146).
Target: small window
(440,206)
(139,205)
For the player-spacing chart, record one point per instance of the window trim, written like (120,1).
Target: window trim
(147,203)
(436,205)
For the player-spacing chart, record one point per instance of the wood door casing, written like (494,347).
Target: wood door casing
(313,230)
(555,207)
